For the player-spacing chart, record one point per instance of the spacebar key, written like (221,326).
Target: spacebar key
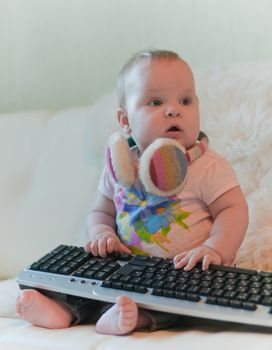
(129,269)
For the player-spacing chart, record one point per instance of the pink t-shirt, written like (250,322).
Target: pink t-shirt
(164,227)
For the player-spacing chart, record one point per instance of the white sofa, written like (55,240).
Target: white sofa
(50,165)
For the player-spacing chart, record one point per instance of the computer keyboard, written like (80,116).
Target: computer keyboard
(221,293)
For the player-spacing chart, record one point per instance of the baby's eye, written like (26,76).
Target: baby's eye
(155,102)
(186,101)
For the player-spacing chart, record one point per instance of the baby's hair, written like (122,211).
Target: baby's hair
(135,59)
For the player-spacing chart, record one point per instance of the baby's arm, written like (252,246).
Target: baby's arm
(230,215)
(100,227)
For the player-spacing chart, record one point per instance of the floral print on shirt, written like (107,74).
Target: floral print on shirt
(146,218)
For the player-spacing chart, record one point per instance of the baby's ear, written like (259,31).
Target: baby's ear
(122,117)
(123,120)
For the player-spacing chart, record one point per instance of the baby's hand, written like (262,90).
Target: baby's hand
(105,243)
(190,258)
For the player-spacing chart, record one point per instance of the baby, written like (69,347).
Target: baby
(206,221)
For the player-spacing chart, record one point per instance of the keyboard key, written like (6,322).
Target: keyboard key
(106,284)
(218,292)
(242,296)
(169,293)
(140,289)
(267,301)
(117,285)
(205,291)
(101,275)
(223,301)
(255,298)
(157,291)
(211,300)
(128,286)
(249,306)
(230,295)
(180,295)
(235,304)
(193,297)
(124,256)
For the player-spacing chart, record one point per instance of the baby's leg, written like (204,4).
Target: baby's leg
(42,311)
(122,318)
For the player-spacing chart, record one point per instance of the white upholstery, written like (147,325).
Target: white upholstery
(50,165)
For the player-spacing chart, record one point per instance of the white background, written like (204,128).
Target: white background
(61,53)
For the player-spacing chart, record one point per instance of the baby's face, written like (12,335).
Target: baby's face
(161,102)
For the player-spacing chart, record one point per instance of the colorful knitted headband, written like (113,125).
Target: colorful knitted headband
(162,167)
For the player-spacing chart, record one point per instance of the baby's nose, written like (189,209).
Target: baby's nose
(172,113)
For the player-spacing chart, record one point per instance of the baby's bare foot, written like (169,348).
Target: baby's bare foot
(42,311)
(122,318)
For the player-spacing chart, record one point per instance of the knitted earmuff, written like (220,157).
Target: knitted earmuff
(162,167)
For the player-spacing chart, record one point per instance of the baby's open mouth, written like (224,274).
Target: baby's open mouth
(174,128)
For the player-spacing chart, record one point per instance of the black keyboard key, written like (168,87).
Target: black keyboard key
(35,266)
(140,289)
(205,291)
(128,286)
(101,275)
(230,295)
(136,280)
(106,284)
(211,300)
(66,270)
(266,293)
(249,306)
(223,301)
(54,268)
(255,298)
(267,301)
(88,274)
(193,297)
(117,285)
(242,296)
(206,284)
(265,274)
(157,291)
(193,289)
(180,295)
(237,304)
(115,277)
(158,284)
(169,293)
(129,269)
(45,267)
(182,287)
(147,283)
(217,292)
(170,286)
(124,256)
(137,262)
(125,279)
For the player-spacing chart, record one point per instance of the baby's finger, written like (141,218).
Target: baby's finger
(94,248)
(87,247)
(122,248)
(179,257)
(183,262)
(194,259)
(110,245)
(206,262)
(102,247)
